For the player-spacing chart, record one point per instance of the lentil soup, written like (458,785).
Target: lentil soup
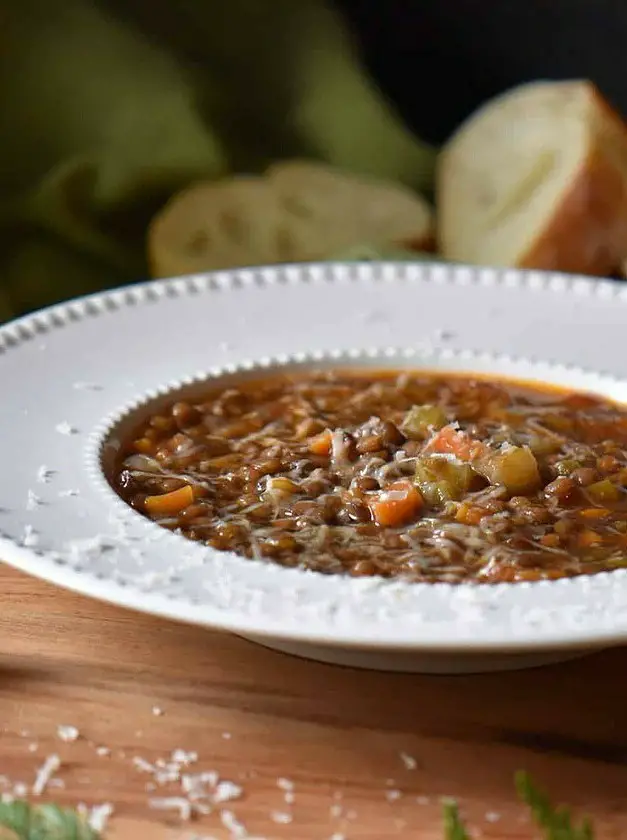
(427,477)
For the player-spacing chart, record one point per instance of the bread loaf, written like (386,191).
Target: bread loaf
(537,178)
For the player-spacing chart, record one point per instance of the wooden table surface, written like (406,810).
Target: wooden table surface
(341,740)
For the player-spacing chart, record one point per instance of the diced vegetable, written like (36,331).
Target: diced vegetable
(168,504)
(396,505)
(434,492)
(452,441)
(567,466)
(421,420)
(515,468)
(603,492)
(440,480)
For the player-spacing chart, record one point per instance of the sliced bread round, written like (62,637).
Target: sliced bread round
(297,211)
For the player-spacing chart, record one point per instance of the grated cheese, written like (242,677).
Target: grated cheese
(186,758)
(87,386)
(44,474)
(235,827)
(99,816)
(173,803)
(69,734)
(33,501)
(227,791)
(143,766)
(195,784)
(65,428)
(281,817)
(409,761)
(45,773)
(30,538)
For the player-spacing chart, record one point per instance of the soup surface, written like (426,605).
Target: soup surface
(408,474)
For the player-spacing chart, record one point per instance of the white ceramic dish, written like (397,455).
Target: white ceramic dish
(71,375)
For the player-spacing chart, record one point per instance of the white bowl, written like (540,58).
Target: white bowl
(80,373)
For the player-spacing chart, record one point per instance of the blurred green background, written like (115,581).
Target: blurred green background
(108,108)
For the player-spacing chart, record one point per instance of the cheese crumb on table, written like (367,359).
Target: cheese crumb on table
(45,774)
(67,733)
(409,761)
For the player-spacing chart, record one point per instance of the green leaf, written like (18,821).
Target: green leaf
(16,816)
(453,826)
(557,823)
(43,822)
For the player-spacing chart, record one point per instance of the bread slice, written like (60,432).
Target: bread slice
(537,178)
(297,211)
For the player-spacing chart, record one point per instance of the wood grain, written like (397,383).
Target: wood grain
(338,734)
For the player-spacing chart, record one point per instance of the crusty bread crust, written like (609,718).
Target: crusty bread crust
(588,233)
(420,244)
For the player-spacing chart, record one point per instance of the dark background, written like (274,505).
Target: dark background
(438,59)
